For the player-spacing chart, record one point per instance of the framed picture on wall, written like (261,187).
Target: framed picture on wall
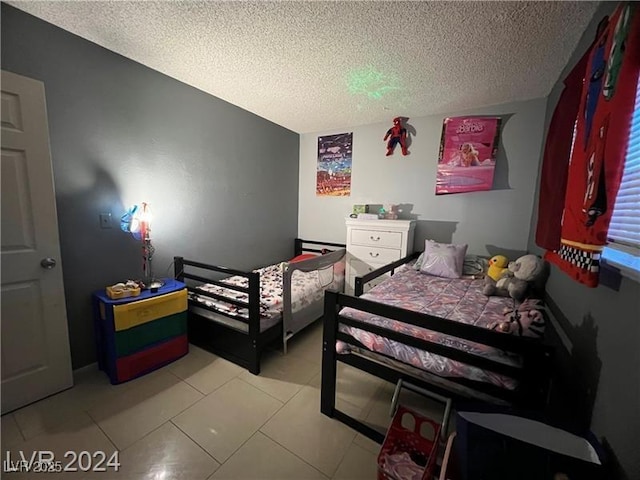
(467,159)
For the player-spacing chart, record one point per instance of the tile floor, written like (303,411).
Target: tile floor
(205,418)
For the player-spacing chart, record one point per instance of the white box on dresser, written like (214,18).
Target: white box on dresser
(372,244)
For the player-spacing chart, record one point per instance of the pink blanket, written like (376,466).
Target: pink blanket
(460,300)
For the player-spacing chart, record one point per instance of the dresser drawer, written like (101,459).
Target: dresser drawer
(131,314)
(361,268)
(144,361)
(369,285)
(140,337)
(374,255)
(376,238)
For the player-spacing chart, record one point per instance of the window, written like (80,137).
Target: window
(623,250)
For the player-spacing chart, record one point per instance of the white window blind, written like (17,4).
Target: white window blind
(624,229)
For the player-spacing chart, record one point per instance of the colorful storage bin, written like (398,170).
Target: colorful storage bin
(146,310)
(150,333)
(139,334)
(150,358)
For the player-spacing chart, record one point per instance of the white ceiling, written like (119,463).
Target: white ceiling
(314,66)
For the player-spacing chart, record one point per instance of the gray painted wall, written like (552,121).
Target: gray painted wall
(490,222)
(222,182)
(604,326)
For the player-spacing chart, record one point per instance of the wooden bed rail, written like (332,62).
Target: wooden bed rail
(300,248)
(511,343)
(252,290)
(360,281)
(179,268)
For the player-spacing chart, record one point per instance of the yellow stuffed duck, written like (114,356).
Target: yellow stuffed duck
(497,265)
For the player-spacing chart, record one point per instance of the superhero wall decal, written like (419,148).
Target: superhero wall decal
(397,135)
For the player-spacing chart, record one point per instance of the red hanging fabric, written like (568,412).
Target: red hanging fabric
(599,149)
(555,163)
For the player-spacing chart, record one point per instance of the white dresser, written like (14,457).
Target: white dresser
(374,243)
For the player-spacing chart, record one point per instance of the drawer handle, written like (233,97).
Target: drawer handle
(375,239)
(376,255)
(147,312)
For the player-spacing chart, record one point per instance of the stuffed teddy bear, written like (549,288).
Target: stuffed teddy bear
(516,281)
(497,265)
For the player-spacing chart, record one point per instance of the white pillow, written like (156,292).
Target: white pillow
(443,259)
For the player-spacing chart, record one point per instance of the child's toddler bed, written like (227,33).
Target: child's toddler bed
(307,289)
(237,316)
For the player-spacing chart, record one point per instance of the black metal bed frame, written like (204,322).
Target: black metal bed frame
(534,378)
(243,348)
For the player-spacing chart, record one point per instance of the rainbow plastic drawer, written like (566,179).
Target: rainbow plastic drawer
(136,335)
(149,359)
(145,310)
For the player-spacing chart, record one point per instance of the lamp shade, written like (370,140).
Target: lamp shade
(136,220)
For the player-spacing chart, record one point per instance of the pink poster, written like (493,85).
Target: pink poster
(467,154)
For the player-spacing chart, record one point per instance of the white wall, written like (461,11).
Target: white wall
(485,220)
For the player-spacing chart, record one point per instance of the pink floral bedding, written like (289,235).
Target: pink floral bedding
(306,288)
(461,300)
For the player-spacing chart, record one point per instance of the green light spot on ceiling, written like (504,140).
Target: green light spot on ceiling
(372,83)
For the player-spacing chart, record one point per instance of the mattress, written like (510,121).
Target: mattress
(460,300)
(306,289)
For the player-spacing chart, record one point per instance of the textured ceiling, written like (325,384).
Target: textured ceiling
(312,66)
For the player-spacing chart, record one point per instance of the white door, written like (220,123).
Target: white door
(36,361)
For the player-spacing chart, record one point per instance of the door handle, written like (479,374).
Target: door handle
(48,263)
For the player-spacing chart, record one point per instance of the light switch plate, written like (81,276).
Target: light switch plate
(105,220)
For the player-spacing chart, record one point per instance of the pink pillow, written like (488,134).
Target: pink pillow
(443,259)
(303,257)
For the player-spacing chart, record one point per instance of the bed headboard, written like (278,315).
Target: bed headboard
(314,246)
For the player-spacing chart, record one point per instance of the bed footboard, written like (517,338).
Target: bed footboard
(240,347)
(534,376)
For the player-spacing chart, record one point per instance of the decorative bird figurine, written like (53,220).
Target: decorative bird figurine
(497,265)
